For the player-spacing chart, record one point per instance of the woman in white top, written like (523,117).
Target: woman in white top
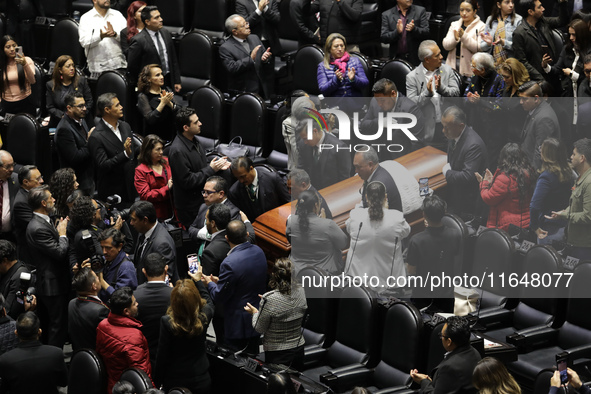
(498,31)
(376,240)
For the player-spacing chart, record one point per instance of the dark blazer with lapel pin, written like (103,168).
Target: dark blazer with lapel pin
(264,25)
(115,171)
(217,250)
(84,316)
(159,242)
(73,151)
(199,221)
(13,187)
(332,166)
(142,51)
(453,375)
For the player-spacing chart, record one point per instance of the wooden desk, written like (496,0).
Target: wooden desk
(341,198)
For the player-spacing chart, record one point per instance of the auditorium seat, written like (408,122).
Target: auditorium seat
(366,92)
(456,223)
(208,103)
(87,373)
(248,120)
(115,82)
(305,66)
(38,91)
(396,71)
(82,6)
(209,17)
(56,8)
(558,39)
(22,139)
(138,378)
(173,13)
(64,41)
(278,155)
(195,61)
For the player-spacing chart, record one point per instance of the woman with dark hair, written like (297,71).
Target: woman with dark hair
(376,238)
(153,178)
(134,24)
(280,317)
(82,215)
(315,240)
(280,383)
(508,193)
(156,103)
(491,377)
(18,74)
(552,192)
(498,31)
(181,360)
(65,80)
(62,184)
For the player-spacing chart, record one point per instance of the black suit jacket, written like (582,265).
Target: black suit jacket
(45,369)
(10,283)
(301,15)
(394,200)
(84,316)
(323,204)
(159,242)
(153,300)
(199,221)
(413,38)
(272,193)
(21,215)
(142,51)
(217,250)
(468,156)
(115,171)
(49,255)
(332,166)
(264,25)
(244,74)
(13,188)
(454,374)
(72,148)
(190,169)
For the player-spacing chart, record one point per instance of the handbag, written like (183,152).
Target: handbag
(233,149)
(466,301)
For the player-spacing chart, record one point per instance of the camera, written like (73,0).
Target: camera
(97,262)
(26,290)
(110,203)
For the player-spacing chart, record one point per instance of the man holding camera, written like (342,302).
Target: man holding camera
(13,280)
(118,271)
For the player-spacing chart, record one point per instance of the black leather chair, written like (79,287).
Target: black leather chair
(82,6)
(367,70)
(248,120)
(209,17)
(558,39)
(396,71)
(87,373)
(356,335)
(138,378)
(456,223)
(22,139)
(114,82)
(38,91)
(401,350)
(56,8)
(278,155)
(305,66)
(195,60)
(174,14)
(64,41)
(208,102)
(179,390)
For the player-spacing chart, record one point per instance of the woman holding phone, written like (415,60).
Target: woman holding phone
(18,74)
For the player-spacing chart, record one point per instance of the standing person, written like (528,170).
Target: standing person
(376,238)
(156,102)
(153,177)
(263,18)
(10,281)
(369,169)
(342,16)
(62,183)
(28,177)
(306,24)
(514,74)
(118,271)
(99,36)
(134,25)
(18,74)
(497,34)
(9,186)
(280,317)
(182,360)
(64,81)
(578,213)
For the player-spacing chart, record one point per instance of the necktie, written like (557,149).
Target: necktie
(246,46)
(452,145)
(161,53)
(252,192)
(140,249)
(316,154)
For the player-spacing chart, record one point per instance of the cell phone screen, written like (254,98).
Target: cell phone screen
(561,364)
(424,187)
(193,260)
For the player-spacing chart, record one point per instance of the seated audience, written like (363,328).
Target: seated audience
(10,281)
(156,103)
(32,367)
(153,177)
(280,317)
(65,80)
(86,311)
(118,271)
(18,74)
(8,338)
(181,359)
(491,376)
(62,183)
(552,192)
(508,192)
(119,340)
(134,25)
(497,35)
(315,240)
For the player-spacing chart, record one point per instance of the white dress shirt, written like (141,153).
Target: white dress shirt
(105,54)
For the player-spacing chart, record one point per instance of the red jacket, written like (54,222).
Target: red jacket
(502,196)
(122,345)
(153,187)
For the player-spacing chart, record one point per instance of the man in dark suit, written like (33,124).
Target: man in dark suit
(299,181)
(533,40)
(86,311)
(263,19)
(256,192)
(71,139)
(153,298)
(49,255)
(307,24)
(215,191)
(322,155)
(154,238)
(249,64)
(368,168)
(28,177)
(153,45)
(32,367)
(10,281)
(454,373)
(404,27)
(540,124)
(114,151)
(9,186)
(189,166)
(243,276)
(466,154)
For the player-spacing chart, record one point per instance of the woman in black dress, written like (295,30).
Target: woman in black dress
(156,103)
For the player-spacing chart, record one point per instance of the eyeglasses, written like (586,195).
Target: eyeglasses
(206,193)
(79,106)
(8,166)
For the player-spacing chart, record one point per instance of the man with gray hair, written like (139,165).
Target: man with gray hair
(298,181)
(248,63)
(367,166)
(429,83)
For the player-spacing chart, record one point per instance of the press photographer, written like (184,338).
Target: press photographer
(13,282)
(84,215)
